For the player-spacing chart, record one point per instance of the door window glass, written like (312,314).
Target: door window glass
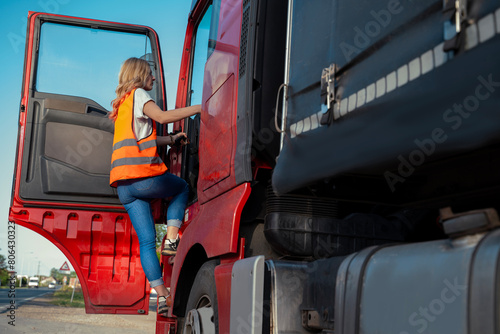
(200,57)
(204,46)
(85,62)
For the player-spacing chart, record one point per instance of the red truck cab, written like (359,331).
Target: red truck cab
(330,208)
(61,184)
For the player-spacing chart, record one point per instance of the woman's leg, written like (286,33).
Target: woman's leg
(140,215)
(139,211)
(177,206)
(161,186)
(164,186)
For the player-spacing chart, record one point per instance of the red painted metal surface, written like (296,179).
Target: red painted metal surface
(215,228)
(102,248)
(223,283)
(218,134)
(165,325)
(183,85)
(214,221)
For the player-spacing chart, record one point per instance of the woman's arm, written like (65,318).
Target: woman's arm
(170,139)
(163,117)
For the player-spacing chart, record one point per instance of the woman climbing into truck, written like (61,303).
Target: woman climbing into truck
(137,170)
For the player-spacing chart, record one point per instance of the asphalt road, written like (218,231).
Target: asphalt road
(22,295)
(38,316)
(19,296)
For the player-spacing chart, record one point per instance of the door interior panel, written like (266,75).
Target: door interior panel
(69,151)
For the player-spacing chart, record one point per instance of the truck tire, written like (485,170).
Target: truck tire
(201,310)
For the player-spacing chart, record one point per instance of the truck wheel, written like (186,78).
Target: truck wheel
(201,310)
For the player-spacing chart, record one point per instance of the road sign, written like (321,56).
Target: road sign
(64,267)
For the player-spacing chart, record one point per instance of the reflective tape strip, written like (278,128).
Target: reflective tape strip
(133,142)
(475,34)
(136,161)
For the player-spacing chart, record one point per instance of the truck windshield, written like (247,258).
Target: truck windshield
(80,61)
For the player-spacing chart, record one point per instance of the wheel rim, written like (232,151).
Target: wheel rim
(201,319)
(204,301)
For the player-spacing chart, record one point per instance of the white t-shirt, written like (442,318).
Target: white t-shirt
(143,125)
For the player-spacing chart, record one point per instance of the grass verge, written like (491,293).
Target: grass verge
(62,297)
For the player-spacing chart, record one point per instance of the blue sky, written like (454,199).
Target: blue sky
(167,17)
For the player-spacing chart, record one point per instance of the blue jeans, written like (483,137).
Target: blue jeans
(135,196)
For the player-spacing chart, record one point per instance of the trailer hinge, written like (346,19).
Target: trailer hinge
(455,14)
(470,222)
(328,97)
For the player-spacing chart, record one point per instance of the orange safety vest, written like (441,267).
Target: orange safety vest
(132,159)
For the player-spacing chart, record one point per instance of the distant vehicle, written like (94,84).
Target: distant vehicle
(52,286)
(33,282)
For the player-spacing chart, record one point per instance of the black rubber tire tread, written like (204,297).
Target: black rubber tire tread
(204,284)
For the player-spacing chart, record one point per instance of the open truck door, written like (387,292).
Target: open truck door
(61,180)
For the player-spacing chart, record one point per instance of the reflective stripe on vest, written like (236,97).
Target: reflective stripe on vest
(133,142)
(132,159)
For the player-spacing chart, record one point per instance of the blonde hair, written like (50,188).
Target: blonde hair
(133,74)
